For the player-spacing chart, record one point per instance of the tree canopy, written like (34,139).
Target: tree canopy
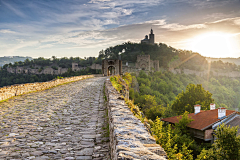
(194,94)
(226,145)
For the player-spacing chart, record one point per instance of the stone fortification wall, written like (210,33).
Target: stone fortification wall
(96,66)
(129,138)
(143,62)
(233,74)
(49,70)
(14,90)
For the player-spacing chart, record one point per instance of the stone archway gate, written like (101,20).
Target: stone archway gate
(110,63)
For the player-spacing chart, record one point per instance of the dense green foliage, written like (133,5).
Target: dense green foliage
(167,56)
(176,140)
(159,92)
(226,145)
(40,63)
(165,94)
(7,78)
(129,51)
(61,62)
(194,94)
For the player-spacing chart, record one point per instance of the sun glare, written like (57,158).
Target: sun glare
(214,44)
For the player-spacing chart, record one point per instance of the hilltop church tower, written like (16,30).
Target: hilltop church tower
(150,40)
(151,37)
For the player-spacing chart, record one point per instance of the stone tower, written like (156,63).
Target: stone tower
(143,62)
(149,40)
(151,37)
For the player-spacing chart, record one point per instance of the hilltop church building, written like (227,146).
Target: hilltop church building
(150,40)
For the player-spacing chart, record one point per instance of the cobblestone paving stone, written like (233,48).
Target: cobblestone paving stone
(65,122)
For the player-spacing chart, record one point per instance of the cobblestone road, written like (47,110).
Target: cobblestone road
(65,122)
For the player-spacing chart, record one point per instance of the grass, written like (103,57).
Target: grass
(106,127)
(104,94)
(5,100)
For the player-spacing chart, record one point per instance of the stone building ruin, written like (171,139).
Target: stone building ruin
(114,67)
(37,70)
(145,63)
(76,68)
(111,67)
(108,67)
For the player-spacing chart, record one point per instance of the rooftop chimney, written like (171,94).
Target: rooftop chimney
(197,108)
(212,106)
(221,112)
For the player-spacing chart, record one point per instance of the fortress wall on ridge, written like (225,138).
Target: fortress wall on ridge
(129,138)
(18,89)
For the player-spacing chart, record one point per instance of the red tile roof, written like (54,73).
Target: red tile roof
(201,120)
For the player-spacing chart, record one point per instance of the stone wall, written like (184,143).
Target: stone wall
(143,62)
(15,90)
(48,70)
(129,138)
(96,66)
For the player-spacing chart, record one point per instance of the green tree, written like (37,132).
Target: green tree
(170,140)
(194,94)
(183,122)
(155,111)
(226,146)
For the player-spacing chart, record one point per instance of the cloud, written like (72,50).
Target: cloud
(178,27)
(45,46)
(7,31)
(97,1)
(172,33)
(11,50)
(210,3)
(237,21)
(157,22)
(103,23)
(15,10)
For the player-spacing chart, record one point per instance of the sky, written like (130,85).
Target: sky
(81,28)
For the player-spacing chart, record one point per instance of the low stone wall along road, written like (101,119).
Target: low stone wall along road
(66,122)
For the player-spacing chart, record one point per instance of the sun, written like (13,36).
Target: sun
(214,44)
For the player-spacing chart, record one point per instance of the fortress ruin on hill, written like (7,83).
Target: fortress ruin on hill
(113,67)
(108,67)
(37,70)
(53,70)
(143,63)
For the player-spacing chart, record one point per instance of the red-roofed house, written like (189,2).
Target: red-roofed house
(206,121)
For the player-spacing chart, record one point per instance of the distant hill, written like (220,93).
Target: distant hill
(12,59)
(225,60)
